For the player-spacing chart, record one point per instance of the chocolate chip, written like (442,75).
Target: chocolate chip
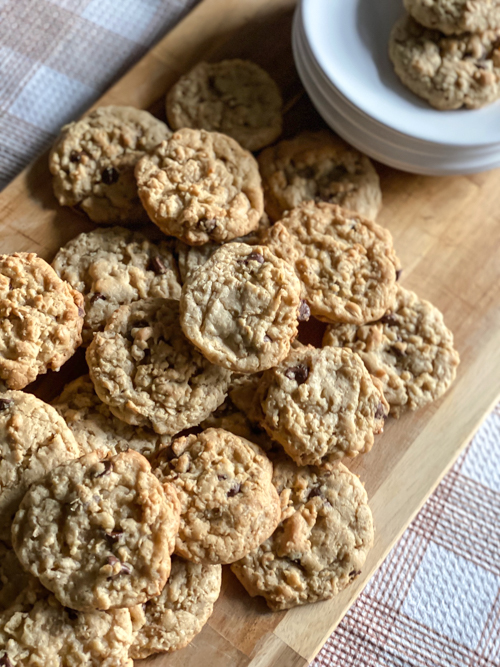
(304,311)
(234,490)
(380,412)
(81,311)
(126,568)
(389,318)
(255,257)
(397,351)
(75,156)
(221,477)
(114,535)
(113,560)
(109,176)
(157,266)
(208,224)
(297,562)
(72,614)
(5,662)
(108,466)
(299,373)
(97,296)
(354,574)
(5,403)
(314,493)
(398,274)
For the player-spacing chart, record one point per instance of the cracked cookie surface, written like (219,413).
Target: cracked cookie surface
(409,350)
(113,267)
(228,503)
(98,532)
(321,544)
(201,186)
(241,308)
(456,16)
(41,319)
(235,97)
(318,166)
(93,161)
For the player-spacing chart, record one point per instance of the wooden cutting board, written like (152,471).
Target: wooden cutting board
(447,234)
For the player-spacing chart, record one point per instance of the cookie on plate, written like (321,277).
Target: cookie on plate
(321,405)
(41,319)
(148,372)
(322,541)
(113,267)
(98,532)
(346,263)
(456,16)
(235,97)
(181,610)
(228,503)
(96,427)
(33,440)
(448,72)
(201,186)
(241,308)
(93,161)
(409,350)
(318,166)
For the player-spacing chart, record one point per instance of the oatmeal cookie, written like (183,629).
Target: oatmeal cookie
(346,263)
(448,72)
(178,614)
(113,267)
(41,319)
(230,418)
(322,541)
(235,97)
(318,166)
(14,581)
(201,186)
(241,308)
(456,16)
(96,427)
(93,161)
(409,350)
(228,503)
(33,440)
(321,405)
(149,374)
(98,532)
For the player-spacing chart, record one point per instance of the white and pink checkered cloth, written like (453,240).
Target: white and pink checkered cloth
(435,602)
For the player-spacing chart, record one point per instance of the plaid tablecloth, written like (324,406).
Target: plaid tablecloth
(436,599)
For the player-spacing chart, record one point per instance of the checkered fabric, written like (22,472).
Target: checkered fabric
(435,602)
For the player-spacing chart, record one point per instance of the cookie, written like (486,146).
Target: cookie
(14,581)
(321,543)
(318,166)
(228,503)
(93,161)
(456,16)
(201,186)
(95,426)
(46,633)
(98,532)
(448,72)
(41,319)
(241,308)
(229,418)
(178,614)
(346,263)
(321,405)
(149,374)
(409,350)
(113,267)
(33,440)
(235,97)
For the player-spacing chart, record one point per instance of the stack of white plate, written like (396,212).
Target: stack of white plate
(341,54)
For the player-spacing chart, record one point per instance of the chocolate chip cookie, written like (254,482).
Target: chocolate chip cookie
(322,541)
(113,267)
(33,440)
(178,614)
(41,319)
(241,308)
(409,350)
(448,72)
(96,427)
(235,97)
(456,16)
(93,161)
(346,263)
(14,581)
(318,166)
(321,405)
(148,372)
(228,503)
(98,532)
(201,186)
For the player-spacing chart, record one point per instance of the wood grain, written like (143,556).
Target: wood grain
(447,234)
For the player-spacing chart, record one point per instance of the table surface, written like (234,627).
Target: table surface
(447,235)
